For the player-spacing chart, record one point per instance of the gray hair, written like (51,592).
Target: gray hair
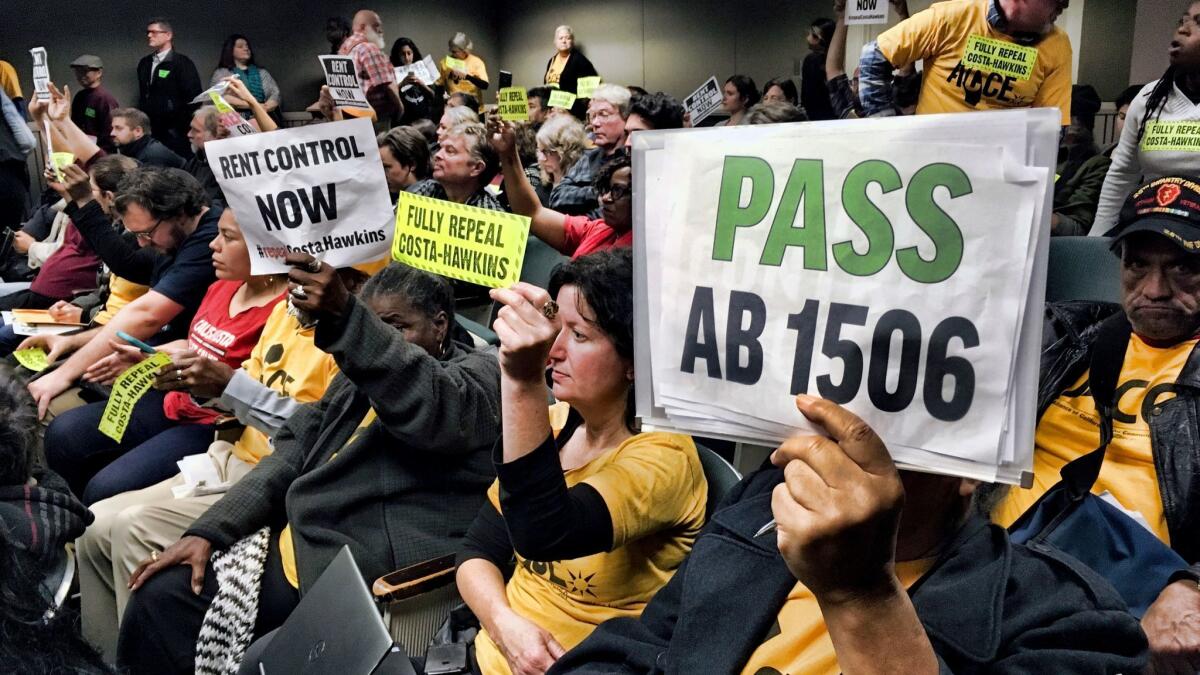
(461,114)
(210,117)
(564,135)
(461,41)
(475,136)
(616,95)
(774,112)
(567,28)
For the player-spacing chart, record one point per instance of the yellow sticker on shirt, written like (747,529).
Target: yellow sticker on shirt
(998,56)
(477,245)
(456,64)
(514,104)
(1171,137)
(33,358)
(587,86)
(129,388)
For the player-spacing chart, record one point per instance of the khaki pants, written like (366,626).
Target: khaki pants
(128,527)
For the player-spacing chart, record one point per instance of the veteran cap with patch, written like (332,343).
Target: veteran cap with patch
(1169,206)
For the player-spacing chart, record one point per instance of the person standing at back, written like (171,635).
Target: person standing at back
(167,83)
(93,105)
(1031,58)
(814,91)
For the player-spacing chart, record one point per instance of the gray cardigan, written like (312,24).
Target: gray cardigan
(406,488)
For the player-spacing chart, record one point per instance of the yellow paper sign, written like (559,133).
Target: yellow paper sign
(62,159)
(514,105)
(998,56)
(220,102)
(33,358)
(455,64)
(129,388)
(477,245)
(587,86)
(1171,137)
(561,99)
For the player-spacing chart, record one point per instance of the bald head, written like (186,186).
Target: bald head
(365,19)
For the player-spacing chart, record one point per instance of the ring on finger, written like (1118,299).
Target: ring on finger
(314,266)
(154,556)
(550,309)
(298,293)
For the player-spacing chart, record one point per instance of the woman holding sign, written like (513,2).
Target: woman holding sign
(463,71)
(418,96)
(165,426)
(568,64)
(598,516)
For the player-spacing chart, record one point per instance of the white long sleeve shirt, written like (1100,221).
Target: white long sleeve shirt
(1133,165)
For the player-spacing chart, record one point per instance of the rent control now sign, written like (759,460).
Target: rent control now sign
(319,189)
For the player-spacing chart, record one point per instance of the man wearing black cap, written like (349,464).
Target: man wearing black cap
(91,109)
(1151,467)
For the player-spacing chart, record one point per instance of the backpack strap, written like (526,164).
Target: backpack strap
(1108,355)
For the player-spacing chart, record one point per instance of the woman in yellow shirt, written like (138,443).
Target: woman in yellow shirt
(462,71)
(598,517)
(568,64)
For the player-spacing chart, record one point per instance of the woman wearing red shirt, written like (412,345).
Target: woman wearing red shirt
(168,426)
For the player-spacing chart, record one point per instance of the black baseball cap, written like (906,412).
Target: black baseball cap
(1167,206)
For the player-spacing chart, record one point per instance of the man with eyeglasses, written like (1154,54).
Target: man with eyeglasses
(167,84)
(978,55)
(573,236)
(167,212)
(575,195)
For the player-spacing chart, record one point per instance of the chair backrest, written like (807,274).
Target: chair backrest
(721,476)
(1083,268)
(57,581)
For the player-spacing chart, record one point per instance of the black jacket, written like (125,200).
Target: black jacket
(577,66)
(988,606)
(166,97)
(407,489)
(1068,336)
(148,150)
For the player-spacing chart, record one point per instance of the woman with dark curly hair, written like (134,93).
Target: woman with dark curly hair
(597,515)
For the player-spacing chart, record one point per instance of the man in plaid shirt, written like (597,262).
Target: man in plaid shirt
(375,74)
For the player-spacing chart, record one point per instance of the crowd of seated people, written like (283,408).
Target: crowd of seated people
(329,407)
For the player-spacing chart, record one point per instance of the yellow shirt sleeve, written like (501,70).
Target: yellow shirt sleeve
(121,292)
(1055,91)
(653,482)
(919,37)
(477,68)
(9,81)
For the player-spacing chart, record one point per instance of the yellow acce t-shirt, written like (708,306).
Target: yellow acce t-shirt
(1070,427)
(971,66)
(287,362)
(121,292)
(554,73)
(655,491)
(453,85)
(798,643)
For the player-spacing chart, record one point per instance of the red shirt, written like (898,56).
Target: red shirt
(71,268)
(585,236)
(216,335)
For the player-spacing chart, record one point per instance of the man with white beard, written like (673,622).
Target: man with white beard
(365,45)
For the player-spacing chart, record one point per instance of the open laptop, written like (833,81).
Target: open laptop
(336,629)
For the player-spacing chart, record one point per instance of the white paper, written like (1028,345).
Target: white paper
(41,74)
(343,82)
(866,12)
(423,69)
(704,101)
(318,188)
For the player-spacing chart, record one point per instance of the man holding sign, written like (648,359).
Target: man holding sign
(865,570)
(978,55)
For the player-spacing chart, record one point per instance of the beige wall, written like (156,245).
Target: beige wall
(1156,21)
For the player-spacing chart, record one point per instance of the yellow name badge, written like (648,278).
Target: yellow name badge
(33,358)
(129,388)
(477,245)
(456,64)
(998,56)
(587,86)
(561,99)
(514,105)
(1172,137)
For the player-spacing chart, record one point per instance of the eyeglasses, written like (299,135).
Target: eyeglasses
(601,115)
(617,192)
(157,32)
(147,234)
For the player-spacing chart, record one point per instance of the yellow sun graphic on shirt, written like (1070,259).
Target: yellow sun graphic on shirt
(578,583)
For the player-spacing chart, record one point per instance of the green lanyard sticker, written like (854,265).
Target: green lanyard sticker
(1171,137)
(998,56)
(587,86)
(163,72)
(89,112)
